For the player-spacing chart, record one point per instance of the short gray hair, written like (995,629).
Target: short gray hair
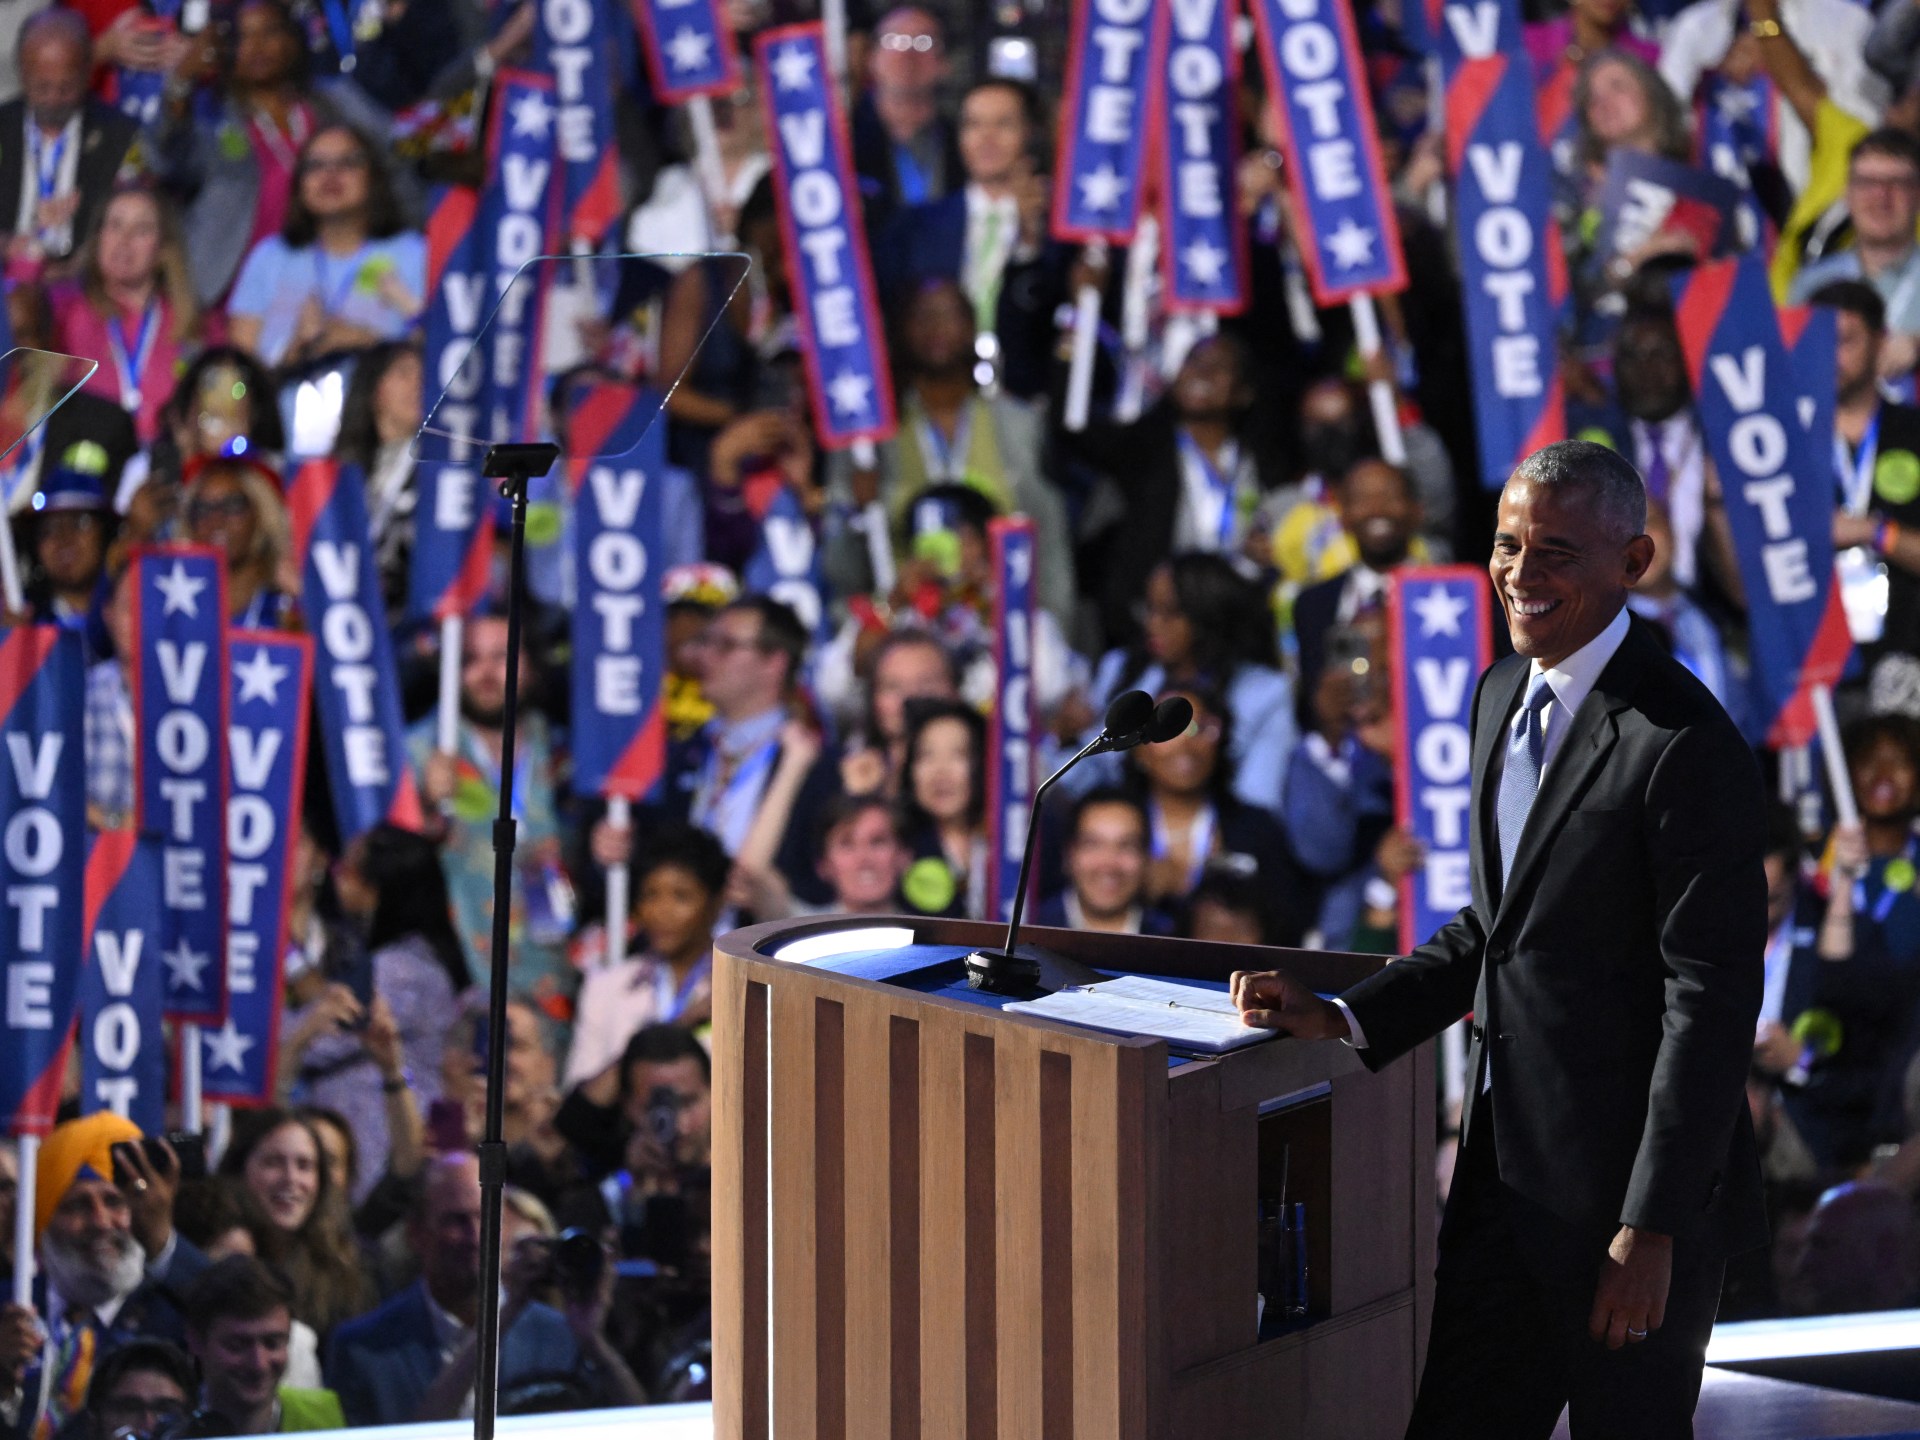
(1619,494)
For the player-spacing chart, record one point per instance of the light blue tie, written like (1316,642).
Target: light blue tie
(1520,781)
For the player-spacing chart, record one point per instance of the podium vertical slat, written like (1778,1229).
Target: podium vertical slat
(943,1230)
(795,1370)
(869,1229)
(830,1218)
(740,1201)
(903,1118)
(1096,1252)
(982,1249)
(1017,1234)
(1117,1163)
(1056,1242)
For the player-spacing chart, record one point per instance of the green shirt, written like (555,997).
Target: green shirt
(309,1410)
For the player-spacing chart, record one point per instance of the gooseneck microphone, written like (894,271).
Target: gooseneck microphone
(1132,719)
(1170,718)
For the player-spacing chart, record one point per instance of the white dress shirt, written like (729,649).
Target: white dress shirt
(1832,34)
(1198,523)
(1571,681)
(1681,446)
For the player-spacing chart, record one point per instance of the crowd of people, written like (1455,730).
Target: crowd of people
(1224,529)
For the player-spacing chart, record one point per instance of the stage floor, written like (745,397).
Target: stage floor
(1752,1407)
(1732,1407)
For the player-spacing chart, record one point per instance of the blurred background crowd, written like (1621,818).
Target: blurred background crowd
(1224,529)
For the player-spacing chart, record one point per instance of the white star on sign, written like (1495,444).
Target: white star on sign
(1351,245)
(227,1048)
(260,678)
(1735,105)
(1102,189)
(688,49)
(1205,261)
(849,392)
(532,115)
(793,67)
(180,589)
(1440,611)
(186,963)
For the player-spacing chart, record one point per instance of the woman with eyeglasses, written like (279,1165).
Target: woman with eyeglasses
(133,310)
(240,172)
(1194,819)
(234,505)
(1204,623)
(344,273)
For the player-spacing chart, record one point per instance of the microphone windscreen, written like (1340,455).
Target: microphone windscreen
(1130,710)
(1173,716)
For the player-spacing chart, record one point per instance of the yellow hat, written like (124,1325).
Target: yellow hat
(78,1150)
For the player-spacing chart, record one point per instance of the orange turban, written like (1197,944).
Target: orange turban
(78,1150)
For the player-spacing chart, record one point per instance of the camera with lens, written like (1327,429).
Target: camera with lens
(576,1262)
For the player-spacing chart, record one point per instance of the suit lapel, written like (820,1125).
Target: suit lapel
(1590,738)
(1502,694)
(13,152)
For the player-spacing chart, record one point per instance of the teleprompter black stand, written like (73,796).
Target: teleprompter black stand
(514,466)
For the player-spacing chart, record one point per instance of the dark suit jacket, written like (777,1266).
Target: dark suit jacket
(1618,978)
(795,857)
(1833,1107)
(878,166)
(381,1364)
(929,242)
(154,1311)
(1314,611)
(1142,459)
(105,138)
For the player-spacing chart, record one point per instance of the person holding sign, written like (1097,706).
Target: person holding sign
(1608,1166)
(113,1264)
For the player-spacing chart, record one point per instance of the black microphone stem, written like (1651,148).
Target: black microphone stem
(1033,834)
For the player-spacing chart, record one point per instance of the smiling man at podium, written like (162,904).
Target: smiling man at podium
(1612,959)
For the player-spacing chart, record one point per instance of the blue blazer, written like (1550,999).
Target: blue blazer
(381,1364)
(929,242)
(923,242)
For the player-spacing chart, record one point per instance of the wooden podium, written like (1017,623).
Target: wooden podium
(935,1219)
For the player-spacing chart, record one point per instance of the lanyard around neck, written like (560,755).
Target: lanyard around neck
(1855,471)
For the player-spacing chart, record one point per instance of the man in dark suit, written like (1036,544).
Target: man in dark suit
(1105,869)
(1612,958)
(990,235)
(1191,472)
(903,147)
(60,150)
(1826,1027)
(415,1353)
(752,654)
(1381,511)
